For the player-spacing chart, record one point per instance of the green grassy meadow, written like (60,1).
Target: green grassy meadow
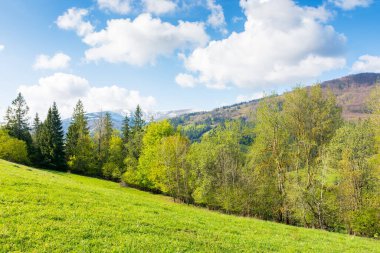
(44,211)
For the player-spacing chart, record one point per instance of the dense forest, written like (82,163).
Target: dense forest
(295,162)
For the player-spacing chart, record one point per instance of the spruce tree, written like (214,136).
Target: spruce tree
(36,126)
(52,143)
(108,127)
(79,145)
(134,145)
(126,135)
(17,121)
(36,155)
(103,134)
(78,127)
(138,121)
(126,130)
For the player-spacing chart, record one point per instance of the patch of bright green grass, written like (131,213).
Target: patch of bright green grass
(44,211)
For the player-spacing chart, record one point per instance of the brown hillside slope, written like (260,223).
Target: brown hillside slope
(352,93)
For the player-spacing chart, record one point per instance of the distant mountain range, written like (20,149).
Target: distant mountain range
(118,117)
(352,92)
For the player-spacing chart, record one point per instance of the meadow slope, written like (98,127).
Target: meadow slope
(44,211)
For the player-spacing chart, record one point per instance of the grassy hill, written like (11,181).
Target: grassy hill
(44,211)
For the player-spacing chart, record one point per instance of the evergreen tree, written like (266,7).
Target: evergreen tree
(102,136)
(51,140)
(126,130)
(134,145)
(36,155)
(138,121)
(36,126)
(17,121)
(78,128)
(79,146)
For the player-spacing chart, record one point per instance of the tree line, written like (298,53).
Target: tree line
(304,165)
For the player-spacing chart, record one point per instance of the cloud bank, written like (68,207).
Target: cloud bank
(66,90)
(292,46)
(366,63)
(137,42)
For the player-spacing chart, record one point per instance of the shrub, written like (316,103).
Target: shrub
(12,149)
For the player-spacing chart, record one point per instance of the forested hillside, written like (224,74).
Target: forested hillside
(352,94)
(297,160)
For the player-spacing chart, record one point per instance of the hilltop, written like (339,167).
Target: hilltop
(352,92)
(45,211)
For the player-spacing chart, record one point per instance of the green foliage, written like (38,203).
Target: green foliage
(17,120)
(44,211)
(269,163)
(79,145)
(145,174)
(133,147)
(374,105)
(296,163)
(311,119)
(12,149)
(114,168)
(357,182)
(102,138)
(195,132)
(126,130)
(172,173)
(36,155)
(138,121)
(216,164)
(49,137)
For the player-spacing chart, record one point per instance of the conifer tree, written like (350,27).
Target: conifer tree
(36,155)
(103,134)
(126,130)
(51,140)
(36,126)
(17,121)
(79,146)
(78,128)
(134,145)
(138,121)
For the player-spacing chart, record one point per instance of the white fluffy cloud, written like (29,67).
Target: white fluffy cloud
(117,6)
(159,7)
(284,48)
(142,40)
(66,89)
(72,19)
(1,47)
(57,61)
(186,80)
(137,42)
(351,4)
(216,18)
(367,63)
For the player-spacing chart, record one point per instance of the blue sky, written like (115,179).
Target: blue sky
(176,54)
